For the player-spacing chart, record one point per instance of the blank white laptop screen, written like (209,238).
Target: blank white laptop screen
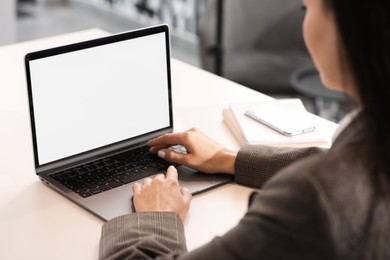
(94,97)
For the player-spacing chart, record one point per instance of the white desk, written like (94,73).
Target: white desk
(38,223)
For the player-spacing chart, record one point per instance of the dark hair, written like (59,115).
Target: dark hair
(364,28)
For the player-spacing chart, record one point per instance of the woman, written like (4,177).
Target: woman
(331,204)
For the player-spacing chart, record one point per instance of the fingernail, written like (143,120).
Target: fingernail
(171,167)
(161,154)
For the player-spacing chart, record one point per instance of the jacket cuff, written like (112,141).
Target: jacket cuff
(141,234)
(250,167)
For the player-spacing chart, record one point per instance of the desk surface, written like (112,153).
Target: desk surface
(38,223)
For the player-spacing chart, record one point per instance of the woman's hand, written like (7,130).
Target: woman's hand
(163,193)
(202,153)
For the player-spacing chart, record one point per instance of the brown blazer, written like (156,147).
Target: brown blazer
(320,205)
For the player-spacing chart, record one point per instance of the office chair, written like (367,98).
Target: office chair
(261,42)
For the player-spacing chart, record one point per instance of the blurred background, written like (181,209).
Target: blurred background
(257,43)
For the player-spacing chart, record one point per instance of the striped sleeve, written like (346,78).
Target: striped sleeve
(256,164)
(142,236)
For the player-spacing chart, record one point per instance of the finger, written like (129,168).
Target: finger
(155,149)
(136,188)
(172,173)
(195,130)
(187,196)
(146,181)
(159,176)
(161,140)
(169,140)
(173,156)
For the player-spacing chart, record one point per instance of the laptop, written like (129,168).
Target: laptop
(93,106)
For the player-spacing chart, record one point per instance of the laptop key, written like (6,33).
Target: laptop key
(85,194)
(91,185)
(104,187)
(81,189)
(100,182)
(127,179)
(115,184)
(95,191)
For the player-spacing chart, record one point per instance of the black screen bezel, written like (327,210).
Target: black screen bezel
(85,45)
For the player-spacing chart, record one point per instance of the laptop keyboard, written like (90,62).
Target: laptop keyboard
(111,172)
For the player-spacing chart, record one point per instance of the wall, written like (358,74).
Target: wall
(7,21)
